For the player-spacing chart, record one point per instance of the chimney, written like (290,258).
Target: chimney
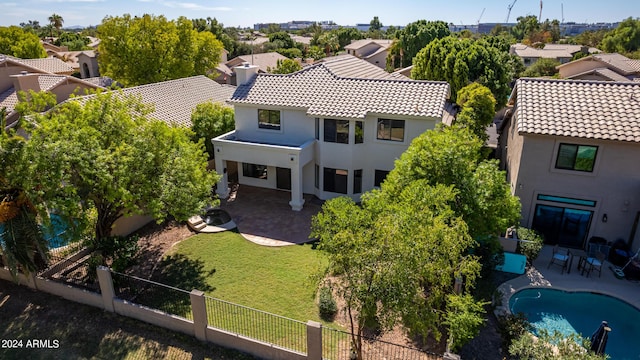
(245,73)
(25,81)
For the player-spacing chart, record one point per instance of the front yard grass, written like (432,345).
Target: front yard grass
(272,279)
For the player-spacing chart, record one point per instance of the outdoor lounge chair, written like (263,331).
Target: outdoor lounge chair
(595,263)
(560,257)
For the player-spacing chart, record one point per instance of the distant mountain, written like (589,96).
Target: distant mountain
(75,27)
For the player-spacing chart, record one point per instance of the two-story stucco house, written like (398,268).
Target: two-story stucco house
(572,154)
(319,133)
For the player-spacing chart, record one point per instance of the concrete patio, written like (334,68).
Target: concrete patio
(541,276)
(264,216)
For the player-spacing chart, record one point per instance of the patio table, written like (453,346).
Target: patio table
(582,257)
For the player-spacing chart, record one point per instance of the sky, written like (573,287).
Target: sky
(245,13)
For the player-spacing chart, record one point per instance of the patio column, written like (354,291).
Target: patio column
(221,168)
(296,184)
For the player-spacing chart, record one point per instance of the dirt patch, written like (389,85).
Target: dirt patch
(155,240)
(68,330)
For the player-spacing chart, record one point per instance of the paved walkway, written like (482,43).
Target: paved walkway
(540,276)
(264,216)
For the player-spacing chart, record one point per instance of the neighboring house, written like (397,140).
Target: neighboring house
(316,132)
(264,61)
(561,52)
(373,50)
(31,74)
(571,150)
(601,67)
(349,66)
(88,64)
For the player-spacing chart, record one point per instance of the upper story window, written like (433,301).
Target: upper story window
(576,157)
(379,177)
(269,119)
(359,132)
(336,131)
(390,130)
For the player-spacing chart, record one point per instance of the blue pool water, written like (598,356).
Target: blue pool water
(53,234)
(582,313)
(513,263)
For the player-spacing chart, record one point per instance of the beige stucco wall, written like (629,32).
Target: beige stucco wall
(614,184)
(6,70)
(379,59)
(578,67)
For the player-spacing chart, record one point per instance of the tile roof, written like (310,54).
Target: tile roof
(50,65)
(604,72)
(350,66)
(624,64)
(357,44)
(47,82)
(583,109)
(175,99)
(552,51)
(323,93)
(263,60)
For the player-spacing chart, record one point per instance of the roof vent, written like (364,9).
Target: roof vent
(245,64)
(24,72)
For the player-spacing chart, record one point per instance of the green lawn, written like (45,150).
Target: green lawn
(228,267)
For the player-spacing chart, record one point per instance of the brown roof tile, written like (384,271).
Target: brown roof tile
(584,109)
(322,93)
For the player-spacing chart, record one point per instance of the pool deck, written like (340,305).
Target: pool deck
(540,276)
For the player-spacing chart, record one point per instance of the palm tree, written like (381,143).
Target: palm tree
(56,21)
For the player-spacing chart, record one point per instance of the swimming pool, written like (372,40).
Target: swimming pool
(55,234)
(581,313)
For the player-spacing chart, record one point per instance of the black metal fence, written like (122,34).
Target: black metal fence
(337,345)
(70,265)
(155,295)
(259,325)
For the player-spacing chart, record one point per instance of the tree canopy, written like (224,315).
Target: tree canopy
(95,160)
(17,42)
(542,67)
(463,61)
(414,37)
(623,39)
(210,120)
(285,66)
(149,49)
(74,41)
(477,109)
(452,156)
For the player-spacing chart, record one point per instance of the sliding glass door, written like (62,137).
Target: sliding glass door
(564,226)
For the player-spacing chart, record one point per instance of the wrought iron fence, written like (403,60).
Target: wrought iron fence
(155,295)
(70,265)
(336,345)
(259,325)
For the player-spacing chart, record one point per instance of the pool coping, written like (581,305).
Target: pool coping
(508,288)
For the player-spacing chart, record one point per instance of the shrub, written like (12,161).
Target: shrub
(531,248)
(512,327)
(549,347)
(327,306)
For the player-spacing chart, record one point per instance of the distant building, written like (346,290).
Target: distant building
(372,50)
(602,67)
(566,29)
(297,25)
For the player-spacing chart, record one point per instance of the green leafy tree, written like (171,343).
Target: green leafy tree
(553,346)
(623,39)
(464,61)
(413,38)
(149,49)
(464,316)
(542,67)
(316,52)
(525,27)
(56,22)
(375,24)
(285,66)
(452,156)
(31,25)
(210,120)
(74,41)
(477,106)
(292,53)
(100,158)
(17,42)
(329,41)
(395,261)
(283,38)
(590,38)
(347,35)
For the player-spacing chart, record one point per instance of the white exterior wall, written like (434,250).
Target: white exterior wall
(297,139)
(614,183)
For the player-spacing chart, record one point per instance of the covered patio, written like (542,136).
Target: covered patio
(264,216)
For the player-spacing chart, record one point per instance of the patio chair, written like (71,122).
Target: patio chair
(560,257)
(595,263)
